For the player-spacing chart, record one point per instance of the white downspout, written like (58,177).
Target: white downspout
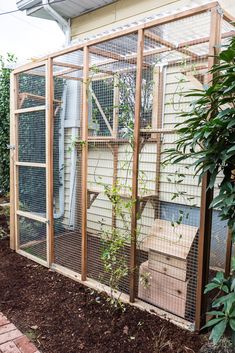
(62,22)
(65,27)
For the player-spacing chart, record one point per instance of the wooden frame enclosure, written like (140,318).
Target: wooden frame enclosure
(88,85)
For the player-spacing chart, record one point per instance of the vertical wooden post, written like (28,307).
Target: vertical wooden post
(115,148)
(16,159)
(158,77)
(84,157)
(49,159)
(135,168)
(228,257)
(13,95)
(116,97)
(207,194)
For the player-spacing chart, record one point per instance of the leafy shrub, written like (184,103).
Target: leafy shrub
(5,121)
(207,135)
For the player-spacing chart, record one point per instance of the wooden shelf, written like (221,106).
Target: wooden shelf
(142,199)
(25,95)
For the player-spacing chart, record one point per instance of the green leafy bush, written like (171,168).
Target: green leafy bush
(5,121)
(207,134)
(224,307)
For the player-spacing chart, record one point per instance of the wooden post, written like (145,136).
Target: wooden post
(49,160)
(115,148)
(13,100)
(84,156)
(206,194)
(158,77)
(16,159)
(135,168)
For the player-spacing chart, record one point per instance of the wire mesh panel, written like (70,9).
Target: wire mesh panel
(32,237)
(32,190)
(68,82)
(32,137)
(32,88)
(31,162)
(112,88)
(169,195)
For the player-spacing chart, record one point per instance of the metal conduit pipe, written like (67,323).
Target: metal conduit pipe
(65,27)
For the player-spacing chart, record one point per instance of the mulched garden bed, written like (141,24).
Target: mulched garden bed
(63,316)
(4,217)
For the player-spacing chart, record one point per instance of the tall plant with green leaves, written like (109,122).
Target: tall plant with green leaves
(207,134)
(5,120)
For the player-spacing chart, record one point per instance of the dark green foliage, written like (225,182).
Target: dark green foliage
(207,134)
(5,121)
(223,307)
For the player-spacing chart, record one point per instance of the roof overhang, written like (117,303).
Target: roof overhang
(66,8)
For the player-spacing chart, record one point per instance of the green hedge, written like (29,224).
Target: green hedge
(5,121)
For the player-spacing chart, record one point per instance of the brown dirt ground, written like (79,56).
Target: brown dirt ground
(63,316)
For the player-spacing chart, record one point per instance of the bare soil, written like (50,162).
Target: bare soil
(63,316)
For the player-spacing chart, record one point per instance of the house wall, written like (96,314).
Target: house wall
(100,161)
(127,11)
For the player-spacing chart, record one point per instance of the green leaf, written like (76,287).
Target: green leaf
(232,149)
(213,322)
(222,300)
(232,324)
(218,331)
(215,313)
(227,55)
(210,287)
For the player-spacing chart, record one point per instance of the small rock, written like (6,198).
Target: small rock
(35,327)
(125,330)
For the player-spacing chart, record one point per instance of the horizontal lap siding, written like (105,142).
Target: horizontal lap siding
(177,84)
(100,170)
(100,167)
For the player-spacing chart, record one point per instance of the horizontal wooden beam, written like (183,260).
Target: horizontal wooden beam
(157,39)
(201,40)
(31,164)
(64,64)
(32,216)
(158,131)
(30,110)
(35,96)
(228,17)
(32,257)
(30,66)
(64,72)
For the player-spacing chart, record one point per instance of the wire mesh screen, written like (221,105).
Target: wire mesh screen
(32,190)
(169,195)
(110,156)
(31,153)
(32,237)
(68,81)
(32,137)
(32,86)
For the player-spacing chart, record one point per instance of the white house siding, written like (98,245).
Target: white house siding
(100,166)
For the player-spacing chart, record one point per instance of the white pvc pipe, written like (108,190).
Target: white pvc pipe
(65,27)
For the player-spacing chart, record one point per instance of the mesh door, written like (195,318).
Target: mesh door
(31,163)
